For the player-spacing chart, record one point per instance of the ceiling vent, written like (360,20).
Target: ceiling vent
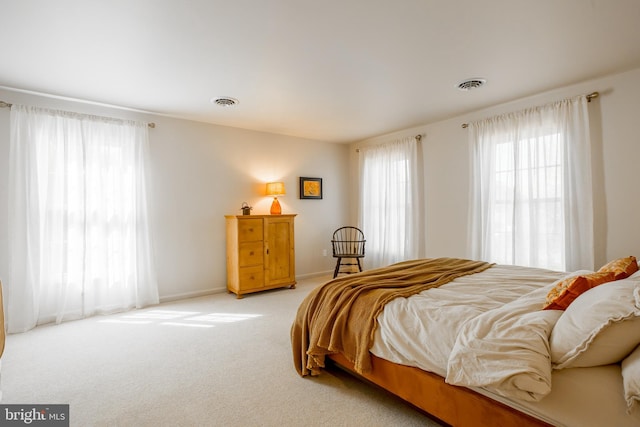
(470,84)
(224,101)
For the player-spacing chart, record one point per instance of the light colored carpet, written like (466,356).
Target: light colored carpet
(208,361)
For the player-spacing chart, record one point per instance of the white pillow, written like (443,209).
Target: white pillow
(631,379)
(600,327)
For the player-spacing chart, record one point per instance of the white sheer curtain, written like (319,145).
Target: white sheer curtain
(389,202)
(78,229)
(531,198)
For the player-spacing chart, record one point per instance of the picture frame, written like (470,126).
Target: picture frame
(310,188)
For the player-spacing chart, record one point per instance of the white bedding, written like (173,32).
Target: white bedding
(487,331)
(421,331)
(506,349)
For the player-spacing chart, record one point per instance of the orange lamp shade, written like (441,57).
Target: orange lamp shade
(275,188)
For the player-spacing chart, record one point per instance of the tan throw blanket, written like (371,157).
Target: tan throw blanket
(340,316)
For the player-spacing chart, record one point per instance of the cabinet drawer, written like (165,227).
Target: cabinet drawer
(250,254)
(251,277)
(250,230)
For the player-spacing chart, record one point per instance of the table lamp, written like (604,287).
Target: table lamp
(275,189)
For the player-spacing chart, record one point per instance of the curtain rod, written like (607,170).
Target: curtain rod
(417,137)
(4,104)
(591,96)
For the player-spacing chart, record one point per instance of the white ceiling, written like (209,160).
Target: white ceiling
(333,70)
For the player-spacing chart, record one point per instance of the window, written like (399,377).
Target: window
(529,171)
(79,232)
(531,198)
(389,203)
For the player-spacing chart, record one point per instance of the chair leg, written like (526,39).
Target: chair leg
(337,269)
(359,265)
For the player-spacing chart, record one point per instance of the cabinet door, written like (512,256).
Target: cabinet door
(280,262)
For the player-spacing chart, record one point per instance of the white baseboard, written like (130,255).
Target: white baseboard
(186,295)
(312,275)
(195,294)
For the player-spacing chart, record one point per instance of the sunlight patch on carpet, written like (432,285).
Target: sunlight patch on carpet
(181,318)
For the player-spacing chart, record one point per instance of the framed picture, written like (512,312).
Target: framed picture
(310,188)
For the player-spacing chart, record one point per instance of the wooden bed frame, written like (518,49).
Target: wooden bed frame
(453,405)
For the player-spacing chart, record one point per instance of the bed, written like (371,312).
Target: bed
(470,343)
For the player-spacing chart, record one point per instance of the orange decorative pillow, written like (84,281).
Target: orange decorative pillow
(569,289)
(622,268)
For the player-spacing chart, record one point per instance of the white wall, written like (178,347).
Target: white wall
(201,172)
(615,127)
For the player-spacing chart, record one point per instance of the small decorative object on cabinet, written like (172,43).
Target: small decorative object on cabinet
(260,253)
(246,209)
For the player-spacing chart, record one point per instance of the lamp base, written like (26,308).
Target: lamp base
(275,207)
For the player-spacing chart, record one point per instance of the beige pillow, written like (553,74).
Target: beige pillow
(600,327)
(622,267)
(631,379)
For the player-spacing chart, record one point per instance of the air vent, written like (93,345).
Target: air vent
(224,101)
(470,84)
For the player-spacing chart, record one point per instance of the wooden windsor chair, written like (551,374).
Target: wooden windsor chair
(348,244)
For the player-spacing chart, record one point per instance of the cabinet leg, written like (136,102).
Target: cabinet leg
(292,286)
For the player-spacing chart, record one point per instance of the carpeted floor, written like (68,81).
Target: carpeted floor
(208,361)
